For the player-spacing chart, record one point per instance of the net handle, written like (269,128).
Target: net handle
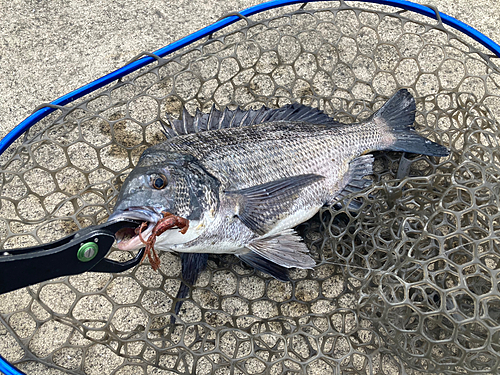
(208,30)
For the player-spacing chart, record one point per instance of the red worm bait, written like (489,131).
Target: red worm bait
(167,222)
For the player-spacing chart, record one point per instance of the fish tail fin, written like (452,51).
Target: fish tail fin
(398,114)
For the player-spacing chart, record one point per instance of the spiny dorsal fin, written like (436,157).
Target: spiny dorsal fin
(227,118)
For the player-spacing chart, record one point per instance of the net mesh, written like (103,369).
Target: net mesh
(407,285)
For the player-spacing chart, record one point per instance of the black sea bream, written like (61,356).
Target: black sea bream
(245,179)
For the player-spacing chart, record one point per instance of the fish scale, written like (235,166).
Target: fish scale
(257,161)
(249,185)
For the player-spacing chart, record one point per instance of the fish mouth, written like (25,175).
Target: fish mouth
(128,238)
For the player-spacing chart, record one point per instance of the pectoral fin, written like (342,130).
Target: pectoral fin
(259,207)
(285,249)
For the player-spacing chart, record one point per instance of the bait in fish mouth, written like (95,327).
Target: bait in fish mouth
(243,180)
(168,221)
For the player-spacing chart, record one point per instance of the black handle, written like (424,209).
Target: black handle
(80,252)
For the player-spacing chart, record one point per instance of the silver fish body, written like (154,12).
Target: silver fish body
(244,188)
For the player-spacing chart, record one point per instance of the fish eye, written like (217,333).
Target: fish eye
(158,181)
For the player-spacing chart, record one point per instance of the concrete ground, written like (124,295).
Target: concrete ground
(49,48)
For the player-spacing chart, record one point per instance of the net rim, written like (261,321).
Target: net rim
(7,369)
(227,20)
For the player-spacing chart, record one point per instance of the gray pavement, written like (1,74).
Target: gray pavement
(49,48)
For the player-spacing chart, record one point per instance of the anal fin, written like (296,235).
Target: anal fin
(285,249)
(353,180)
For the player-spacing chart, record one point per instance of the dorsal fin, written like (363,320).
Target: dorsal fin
(227,118)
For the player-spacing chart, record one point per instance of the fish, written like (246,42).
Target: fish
(244,179)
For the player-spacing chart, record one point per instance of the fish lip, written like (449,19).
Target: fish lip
(138,213)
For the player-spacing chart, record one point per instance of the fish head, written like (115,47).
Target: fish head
(152,187)
(163,182)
